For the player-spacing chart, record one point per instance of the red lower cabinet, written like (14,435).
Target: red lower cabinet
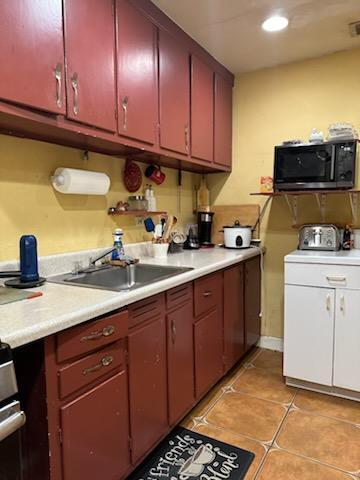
(147,386)
(234,327)
(208,341)
(95,432)
(252,301)
(180,361)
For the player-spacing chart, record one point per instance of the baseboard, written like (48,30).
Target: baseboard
(272,343)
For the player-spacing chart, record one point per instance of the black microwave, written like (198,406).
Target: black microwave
(329,165)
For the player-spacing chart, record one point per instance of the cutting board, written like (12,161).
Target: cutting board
(247,214)
(9,295)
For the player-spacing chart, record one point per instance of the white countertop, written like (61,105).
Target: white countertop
(63,306)
(342,257)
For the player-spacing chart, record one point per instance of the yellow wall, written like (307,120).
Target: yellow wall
(270,106)
(29,204)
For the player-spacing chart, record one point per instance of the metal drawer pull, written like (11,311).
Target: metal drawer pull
(75,85)
(105,332)
(173,331)
(342,303)
(58,76)
(328,304)
(207,294)
(124,104)
(104,362)
(335,278)
(11,424)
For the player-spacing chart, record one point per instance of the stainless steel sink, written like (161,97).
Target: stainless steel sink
(120,278)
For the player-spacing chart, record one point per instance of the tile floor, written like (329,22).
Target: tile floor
(295,434)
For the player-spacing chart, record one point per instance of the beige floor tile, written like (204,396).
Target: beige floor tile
(270,360)
(238,441)
(329,406)
(281,465)
(265,384)
(324,439)
(247,415)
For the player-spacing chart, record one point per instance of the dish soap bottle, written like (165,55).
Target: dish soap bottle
(118,245)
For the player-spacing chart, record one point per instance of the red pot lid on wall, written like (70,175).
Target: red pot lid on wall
(132,176)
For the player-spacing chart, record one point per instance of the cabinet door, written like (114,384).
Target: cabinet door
(180,361)
(222,121)
(234,325)
(95,432)
(90,62)
(174,92)
(202,110)
(347,340)
(147,384)
(252,301)
(31,54)
(136,74)
(309,333)
(208,341)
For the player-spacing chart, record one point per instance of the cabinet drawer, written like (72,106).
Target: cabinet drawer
(83,372)
(207,293)
(179,295)
(335,276)
(146,309)
(80,340)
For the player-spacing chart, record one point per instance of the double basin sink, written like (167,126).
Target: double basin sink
(118,279)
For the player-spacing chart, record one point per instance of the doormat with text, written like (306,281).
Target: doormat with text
(184,455)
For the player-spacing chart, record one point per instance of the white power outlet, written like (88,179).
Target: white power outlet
(139,221)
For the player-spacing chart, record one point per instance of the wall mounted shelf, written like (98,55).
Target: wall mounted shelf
(136,213)
(291,198)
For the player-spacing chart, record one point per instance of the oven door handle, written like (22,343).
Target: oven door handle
(333,159)
(11,424)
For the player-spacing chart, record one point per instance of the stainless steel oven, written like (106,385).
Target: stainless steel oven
(12,418)
(329,165)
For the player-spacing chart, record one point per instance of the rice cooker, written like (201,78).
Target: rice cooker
(237,236)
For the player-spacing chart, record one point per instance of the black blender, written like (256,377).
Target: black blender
(204,229)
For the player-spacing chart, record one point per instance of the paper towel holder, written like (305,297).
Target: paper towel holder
(80,182)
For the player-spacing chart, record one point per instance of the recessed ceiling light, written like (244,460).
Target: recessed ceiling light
(275,23)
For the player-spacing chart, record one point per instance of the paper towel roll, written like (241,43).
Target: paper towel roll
(72,180)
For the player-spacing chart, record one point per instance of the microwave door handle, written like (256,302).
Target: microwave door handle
(332,168)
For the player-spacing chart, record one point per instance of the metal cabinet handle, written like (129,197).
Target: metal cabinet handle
(124,105)
(11,424)
(105,332)
(342,303)
(75,85)
(207,294)
(104,362)
(328,302)
(336,278)
(186,131)
(173,331)
(58,77)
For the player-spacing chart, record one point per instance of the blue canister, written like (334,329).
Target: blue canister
(28,259)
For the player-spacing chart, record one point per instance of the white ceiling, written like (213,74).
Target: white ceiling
(231,29)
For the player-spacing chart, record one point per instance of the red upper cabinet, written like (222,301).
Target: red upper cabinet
(174,93)
(90,62)
(136,74)
(202,110)
(31,54)
(222,121)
